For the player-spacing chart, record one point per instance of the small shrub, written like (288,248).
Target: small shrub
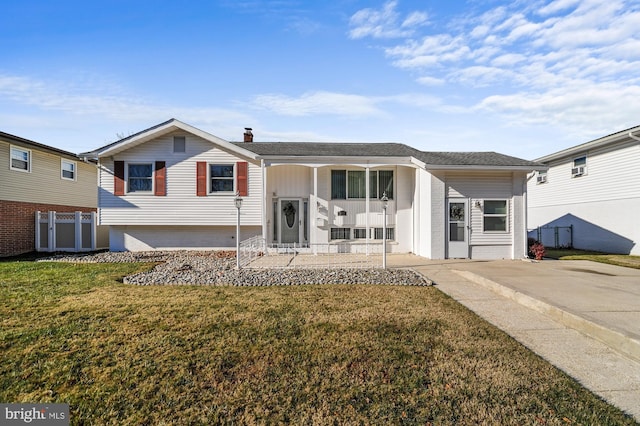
(537,250)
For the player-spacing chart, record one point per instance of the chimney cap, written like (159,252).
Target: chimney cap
(248,129)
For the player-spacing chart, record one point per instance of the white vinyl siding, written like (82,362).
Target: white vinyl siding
(43,184)
(598,203)
(180,206)
(479,187)
(613,175)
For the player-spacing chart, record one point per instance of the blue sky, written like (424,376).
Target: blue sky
(524,78)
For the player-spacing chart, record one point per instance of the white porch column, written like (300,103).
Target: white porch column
(366,186)
(314,209)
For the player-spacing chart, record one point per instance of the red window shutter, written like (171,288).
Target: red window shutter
(118,177)
(242,179)
(201,178)
(160,177)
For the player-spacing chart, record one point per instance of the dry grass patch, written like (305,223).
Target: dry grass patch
(305,355)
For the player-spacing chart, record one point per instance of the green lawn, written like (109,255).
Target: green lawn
(122,354)
(612,259)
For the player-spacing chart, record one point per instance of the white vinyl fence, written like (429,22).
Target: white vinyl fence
(256,253)
(73,232)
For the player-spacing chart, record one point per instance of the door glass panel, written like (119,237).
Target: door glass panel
(456,212)
(456,231)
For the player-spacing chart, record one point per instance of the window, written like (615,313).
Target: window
(68,170)
(179,144)
(377,233)
(495,216)
(541,178)
(338,184)
(351,184)
(222,178)
(359,233)
(579,166)
(20,159)
(356,184)
(140,177)
(340,233)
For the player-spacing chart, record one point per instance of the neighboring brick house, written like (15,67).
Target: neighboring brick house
(36,177)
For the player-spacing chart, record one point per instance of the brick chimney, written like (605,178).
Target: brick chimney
(248,136)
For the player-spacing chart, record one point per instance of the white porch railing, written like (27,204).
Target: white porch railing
(256,253)
(75,231)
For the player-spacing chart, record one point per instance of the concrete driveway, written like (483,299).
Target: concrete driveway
(582,316)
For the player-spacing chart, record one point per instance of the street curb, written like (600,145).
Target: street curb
(617,341)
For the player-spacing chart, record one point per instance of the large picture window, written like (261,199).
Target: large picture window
(351,184)
(140,177)
(222,177)
(495,215)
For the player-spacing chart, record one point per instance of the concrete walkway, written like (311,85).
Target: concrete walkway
(581,316)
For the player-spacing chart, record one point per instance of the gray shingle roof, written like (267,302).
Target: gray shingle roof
(472,159)
(328,149)
(314,149)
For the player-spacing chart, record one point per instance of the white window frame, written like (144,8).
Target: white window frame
(29,158)
(542,177)
(505,215)
(127,179)
(575,167)
(210,179)
(344,230)
(74,164)
(376,171)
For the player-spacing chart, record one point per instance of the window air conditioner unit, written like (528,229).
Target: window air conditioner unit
(542,178)
(577,171)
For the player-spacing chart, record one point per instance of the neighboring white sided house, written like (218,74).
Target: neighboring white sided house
(590,196)
(173,186)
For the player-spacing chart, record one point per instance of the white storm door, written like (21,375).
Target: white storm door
(290,222)
(458,228)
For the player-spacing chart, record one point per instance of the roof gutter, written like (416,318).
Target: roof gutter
(632,136)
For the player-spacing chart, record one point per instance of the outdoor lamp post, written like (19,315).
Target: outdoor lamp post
(238,201)
(385,204)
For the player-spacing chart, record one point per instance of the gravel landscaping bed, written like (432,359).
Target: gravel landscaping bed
(218,268)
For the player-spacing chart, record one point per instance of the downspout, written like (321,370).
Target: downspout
(634,137)
(525,214)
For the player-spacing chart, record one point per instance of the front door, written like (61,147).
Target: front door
(458,229)
(290,221)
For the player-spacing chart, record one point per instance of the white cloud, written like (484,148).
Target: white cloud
(97,101)
(314,103)
(578,106)
(430,81)
(342,104)
(519,59)
(385,22)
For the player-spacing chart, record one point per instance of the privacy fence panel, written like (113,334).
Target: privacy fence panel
(74,232)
